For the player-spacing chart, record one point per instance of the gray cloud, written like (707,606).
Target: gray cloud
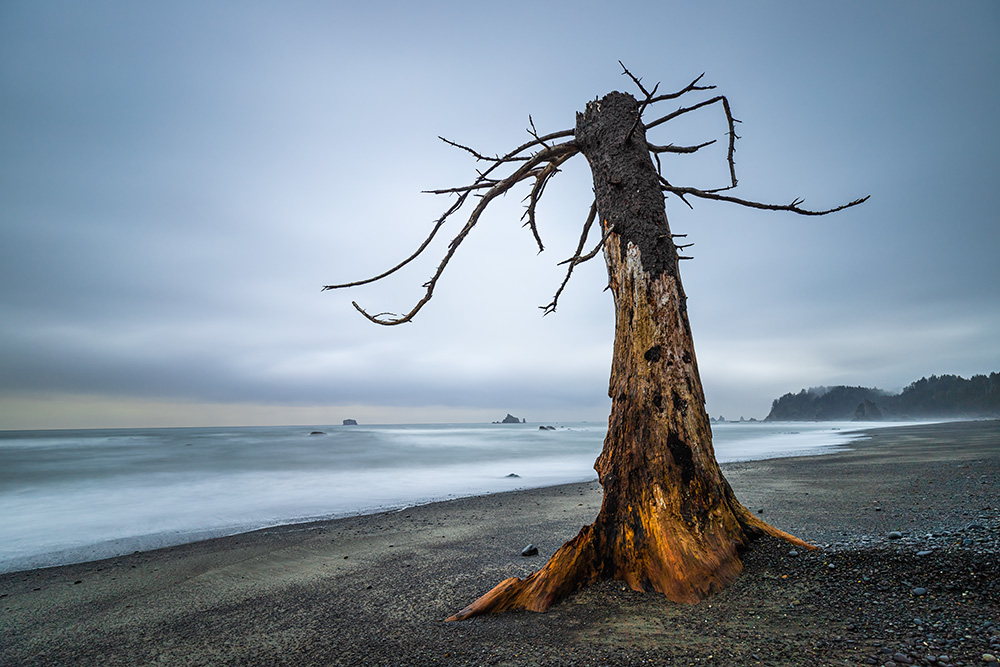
(178,181)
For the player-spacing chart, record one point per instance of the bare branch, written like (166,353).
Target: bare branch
(577,258)
(597,248)
(541,180)
(514,155)
(533,132)
(523,172)
(638,114)
(729,117)
(669,188)
(538,141)
(481,183)
(636,81)
(792,207)
(670,148)
(484,184)
(669,96)
(478,155)
(423,246)
(687,89)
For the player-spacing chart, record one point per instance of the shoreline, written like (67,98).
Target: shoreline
(373,588)
(120,546)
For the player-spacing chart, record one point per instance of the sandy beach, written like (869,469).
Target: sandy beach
(909,573)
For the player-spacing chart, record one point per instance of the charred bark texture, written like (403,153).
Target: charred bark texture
(669,521)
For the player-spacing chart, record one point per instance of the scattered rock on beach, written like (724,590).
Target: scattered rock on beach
(530,550)
(513,474)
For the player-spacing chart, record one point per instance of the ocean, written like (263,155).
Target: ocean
(70,496)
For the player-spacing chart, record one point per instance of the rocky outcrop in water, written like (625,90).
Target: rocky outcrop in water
(511,419)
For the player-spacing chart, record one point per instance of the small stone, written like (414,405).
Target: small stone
(793,553)
(923,553)
(831,566)
(989,657)
(902,659)
(530,550)
(895,535)
(919,592)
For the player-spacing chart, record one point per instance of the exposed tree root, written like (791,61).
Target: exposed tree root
(569,569)
(672,560)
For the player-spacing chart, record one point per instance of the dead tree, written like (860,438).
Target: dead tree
(669,521)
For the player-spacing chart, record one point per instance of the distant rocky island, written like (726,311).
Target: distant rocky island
(741,420)
(511,419)
(350,422)
(939,396)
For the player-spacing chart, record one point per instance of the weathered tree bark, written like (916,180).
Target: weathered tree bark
(669,521)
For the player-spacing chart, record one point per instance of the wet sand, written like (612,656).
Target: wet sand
(374,589)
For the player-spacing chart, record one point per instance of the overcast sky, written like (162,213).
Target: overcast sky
(178,179)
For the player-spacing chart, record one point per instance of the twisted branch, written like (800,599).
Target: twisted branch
(541,180)
(670,148)
(524,171)
(729,118)
(792,207)
(576,258)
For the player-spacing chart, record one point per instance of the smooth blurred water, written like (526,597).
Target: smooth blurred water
(71,496)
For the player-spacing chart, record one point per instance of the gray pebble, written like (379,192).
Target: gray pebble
(895,535)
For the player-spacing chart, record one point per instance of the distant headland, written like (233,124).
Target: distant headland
(939,396)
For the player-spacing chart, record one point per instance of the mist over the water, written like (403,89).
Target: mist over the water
(72,496)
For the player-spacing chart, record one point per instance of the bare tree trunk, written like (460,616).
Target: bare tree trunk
(670,521)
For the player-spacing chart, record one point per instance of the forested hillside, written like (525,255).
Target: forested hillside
(936,396)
